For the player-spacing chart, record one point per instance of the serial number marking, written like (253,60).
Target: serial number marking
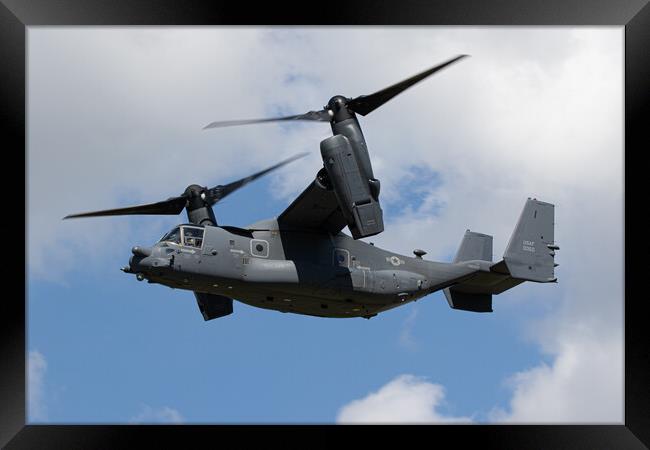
(528,246)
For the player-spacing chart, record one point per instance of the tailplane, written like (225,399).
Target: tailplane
(529,256)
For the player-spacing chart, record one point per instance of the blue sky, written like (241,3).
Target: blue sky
(115,118)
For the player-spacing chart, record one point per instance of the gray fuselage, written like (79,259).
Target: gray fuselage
(295,270)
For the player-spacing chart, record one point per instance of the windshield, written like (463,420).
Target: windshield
(172,236)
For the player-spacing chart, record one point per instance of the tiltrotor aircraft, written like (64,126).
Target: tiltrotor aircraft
(301,262)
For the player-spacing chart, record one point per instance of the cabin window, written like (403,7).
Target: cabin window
(193,237)
(259,248)
(341,257)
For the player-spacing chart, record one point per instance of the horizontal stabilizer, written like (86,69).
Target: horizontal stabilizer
(213,306)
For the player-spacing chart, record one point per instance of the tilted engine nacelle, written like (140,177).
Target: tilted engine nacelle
(357,195)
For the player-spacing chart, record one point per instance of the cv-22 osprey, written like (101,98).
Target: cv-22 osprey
(301,261)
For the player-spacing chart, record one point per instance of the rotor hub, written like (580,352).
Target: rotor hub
(194,190)
(338,107)
(337,103)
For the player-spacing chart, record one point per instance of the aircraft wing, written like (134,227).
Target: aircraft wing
(315,209)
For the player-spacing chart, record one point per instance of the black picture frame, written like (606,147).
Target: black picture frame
(634,15)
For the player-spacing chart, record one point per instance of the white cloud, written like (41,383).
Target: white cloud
(583,384)
(36,369)
(163,414)
(405,399)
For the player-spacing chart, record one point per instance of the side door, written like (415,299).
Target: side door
(188,256)
(217,257)
(361,275)
(351,274)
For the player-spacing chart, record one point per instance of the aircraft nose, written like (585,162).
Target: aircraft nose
(146,260)
(138,261)
(139,265)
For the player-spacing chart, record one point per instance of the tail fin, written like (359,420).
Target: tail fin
(530,252)
(529,256)
(474,246)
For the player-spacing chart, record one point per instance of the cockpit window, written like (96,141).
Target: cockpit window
(193,236)
(173,236)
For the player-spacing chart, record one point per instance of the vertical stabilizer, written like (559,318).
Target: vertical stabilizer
(469,297)
(531,250)
(529,256)
(474,246)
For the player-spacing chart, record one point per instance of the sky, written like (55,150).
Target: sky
(115,118)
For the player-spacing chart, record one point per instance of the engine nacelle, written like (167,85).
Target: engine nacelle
(356,197)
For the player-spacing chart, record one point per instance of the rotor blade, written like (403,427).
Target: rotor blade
(171,206)
(365,104)
(321,116)
(219,192)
